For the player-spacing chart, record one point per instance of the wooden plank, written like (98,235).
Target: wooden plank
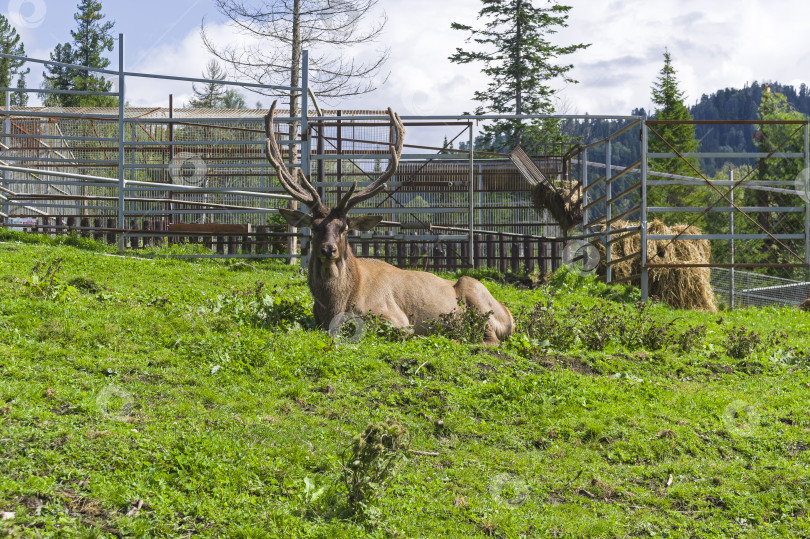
(528,254)
(111,223)
(401,254)
(210,228)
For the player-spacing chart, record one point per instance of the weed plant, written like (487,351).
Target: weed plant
(741,343)
(370,462)
(464,325)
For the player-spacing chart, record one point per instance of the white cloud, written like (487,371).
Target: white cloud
(718,44)
(725,43)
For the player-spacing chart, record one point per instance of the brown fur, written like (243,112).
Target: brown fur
(343,283)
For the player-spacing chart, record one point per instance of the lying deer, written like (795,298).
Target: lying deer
(340,282)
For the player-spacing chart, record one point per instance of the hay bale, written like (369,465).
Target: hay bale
(682,288)
(563,202)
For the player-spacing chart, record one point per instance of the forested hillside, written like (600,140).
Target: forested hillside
(726,104)
(740,104)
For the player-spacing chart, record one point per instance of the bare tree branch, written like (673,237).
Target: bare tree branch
(327,28)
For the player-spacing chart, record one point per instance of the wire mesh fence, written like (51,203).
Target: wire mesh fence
(756,289)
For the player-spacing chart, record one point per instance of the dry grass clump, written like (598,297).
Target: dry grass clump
(682,288)
(563,202)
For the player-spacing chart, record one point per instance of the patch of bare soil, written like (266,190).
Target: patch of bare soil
(565,362)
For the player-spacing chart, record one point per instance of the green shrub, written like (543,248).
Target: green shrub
(543,323)
(465,324)
(689,339)
(638,329)
(369,463)
(262,309)
(740,344)
(45,282)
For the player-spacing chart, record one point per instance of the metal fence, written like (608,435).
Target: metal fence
(758,221)
(140,176)
(737,288)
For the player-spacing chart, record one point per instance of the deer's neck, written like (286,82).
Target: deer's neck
(332,285)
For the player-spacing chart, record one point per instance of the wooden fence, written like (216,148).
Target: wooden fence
(504,252)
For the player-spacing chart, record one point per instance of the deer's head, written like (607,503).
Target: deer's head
(329,226)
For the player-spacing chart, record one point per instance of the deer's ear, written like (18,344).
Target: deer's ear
(364,223)
(295,217)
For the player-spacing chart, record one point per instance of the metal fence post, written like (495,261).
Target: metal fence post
(731,241)
(583,173)
(807,201)
(4,207)
(608,212)
(305,145)
(643,216)
(121,156)
(471,195)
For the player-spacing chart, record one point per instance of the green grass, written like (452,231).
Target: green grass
(144,398)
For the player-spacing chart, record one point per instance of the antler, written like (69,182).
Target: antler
(304,191)
(350,199)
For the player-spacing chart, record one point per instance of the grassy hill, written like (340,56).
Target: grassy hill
(173,398)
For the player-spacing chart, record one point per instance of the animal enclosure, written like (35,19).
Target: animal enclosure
(141,176)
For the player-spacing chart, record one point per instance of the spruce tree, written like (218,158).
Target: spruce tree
(516,53)
(9,68)
(91,39)
(672,138)
(669,98)
(214,94)
(210,95)
(59,77)
(20,97)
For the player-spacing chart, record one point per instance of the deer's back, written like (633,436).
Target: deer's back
(393,293)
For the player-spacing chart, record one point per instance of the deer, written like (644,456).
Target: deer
(340,282)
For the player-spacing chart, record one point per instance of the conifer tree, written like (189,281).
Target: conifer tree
(516,53)
(669,98)
(9,68)
(91,39)
(233,100)
(59,77)
(214,94)
(672,138)
(211,93)
(20,97)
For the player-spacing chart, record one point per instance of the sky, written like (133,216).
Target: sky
(714,44)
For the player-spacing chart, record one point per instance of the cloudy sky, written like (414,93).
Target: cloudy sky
(714,44)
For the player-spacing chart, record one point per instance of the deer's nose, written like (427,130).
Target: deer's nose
(328,250)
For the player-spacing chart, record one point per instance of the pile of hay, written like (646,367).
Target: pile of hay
(682,288)
(563,202)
